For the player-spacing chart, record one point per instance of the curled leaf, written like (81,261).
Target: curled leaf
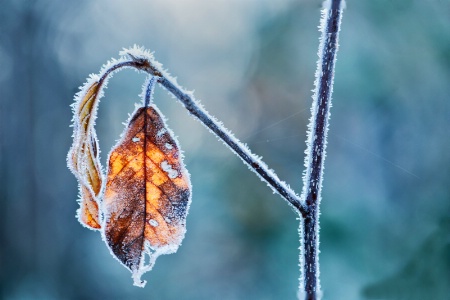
(83,157)
(147,193)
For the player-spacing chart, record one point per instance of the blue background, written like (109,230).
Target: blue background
(385,229)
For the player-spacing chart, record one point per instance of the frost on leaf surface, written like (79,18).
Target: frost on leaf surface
(147,193)
(83,157)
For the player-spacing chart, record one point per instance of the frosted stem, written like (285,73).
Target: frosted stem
(114,67)
(235,145)
(149,91)
(317,141)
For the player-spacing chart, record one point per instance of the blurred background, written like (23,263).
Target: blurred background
(385,213)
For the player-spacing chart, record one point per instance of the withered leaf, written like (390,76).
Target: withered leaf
(83,158)
(147,193)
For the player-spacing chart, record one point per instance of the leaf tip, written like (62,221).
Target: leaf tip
(137,281)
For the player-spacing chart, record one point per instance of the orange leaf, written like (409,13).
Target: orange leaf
(147,193)
(83,158)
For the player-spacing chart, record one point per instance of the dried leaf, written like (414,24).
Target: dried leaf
(83,158)
(147,193)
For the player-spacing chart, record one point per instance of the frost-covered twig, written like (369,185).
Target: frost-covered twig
(235,145)
(316,145)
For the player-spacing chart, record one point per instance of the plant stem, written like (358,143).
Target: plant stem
(317,141)
(116,67)
(149,91)
(235,145)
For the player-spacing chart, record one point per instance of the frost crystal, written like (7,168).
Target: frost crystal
(168,169)
(161,132)
(154,223)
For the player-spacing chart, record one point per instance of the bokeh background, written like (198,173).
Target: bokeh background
(385,222)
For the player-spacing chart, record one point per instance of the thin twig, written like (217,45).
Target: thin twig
(235,145)
(316,143)
(149,91)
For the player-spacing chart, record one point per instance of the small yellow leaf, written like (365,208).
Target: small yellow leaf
(83,158)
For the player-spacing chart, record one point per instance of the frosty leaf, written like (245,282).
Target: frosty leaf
(83,158)
(147,193)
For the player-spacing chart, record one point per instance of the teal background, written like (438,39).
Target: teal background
(385,213)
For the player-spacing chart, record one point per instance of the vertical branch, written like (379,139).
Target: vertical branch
(316,146)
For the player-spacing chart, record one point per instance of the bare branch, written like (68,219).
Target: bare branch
(316,146)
